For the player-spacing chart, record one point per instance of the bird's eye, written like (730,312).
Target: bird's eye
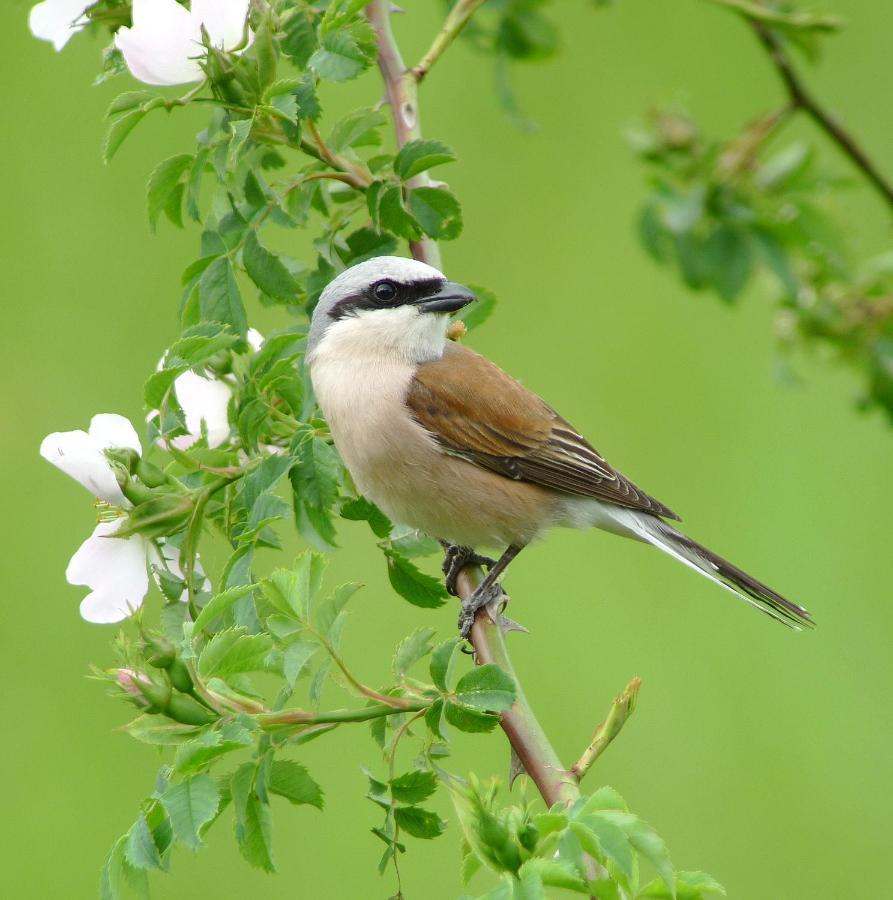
(385,291)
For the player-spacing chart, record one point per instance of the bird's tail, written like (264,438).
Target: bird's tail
(696,556)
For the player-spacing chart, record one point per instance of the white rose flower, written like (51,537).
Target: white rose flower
(57,20)
(116,569)
(164,45)
(204,399)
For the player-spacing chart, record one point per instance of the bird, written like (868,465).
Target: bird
(443,441)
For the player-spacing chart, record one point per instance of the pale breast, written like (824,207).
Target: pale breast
(397,464)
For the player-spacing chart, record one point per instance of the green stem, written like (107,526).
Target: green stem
(455,21)
(621,709)
(367,713)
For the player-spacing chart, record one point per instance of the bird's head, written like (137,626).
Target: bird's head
(387,303)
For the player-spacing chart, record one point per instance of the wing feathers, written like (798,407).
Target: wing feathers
(477,412)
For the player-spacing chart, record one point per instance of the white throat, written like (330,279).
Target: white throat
(404,335)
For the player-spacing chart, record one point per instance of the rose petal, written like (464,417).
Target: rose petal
(224,20)
(54,20)
(204,398)
(76,454)
(255,339)
(170,560)
(115,568)
(110,430)
(164,43)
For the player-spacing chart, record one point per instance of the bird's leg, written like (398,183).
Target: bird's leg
(456,557)
(488,593)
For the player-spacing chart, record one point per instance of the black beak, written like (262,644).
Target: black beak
(450,297)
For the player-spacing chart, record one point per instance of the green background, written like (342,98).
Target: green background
(762,756)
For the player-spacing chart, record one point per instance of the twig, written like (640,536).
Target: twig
(521,727)
(402,91)
(455,21)
(802,99)
(621,709)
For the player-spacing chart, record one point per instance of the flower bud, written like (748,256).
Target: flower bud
(150,475)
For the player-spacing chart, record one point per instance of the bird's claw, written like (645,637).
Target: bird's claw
(456,558)
(491,598)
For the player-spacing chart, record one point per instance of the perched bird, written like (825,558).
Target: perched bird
(443,440)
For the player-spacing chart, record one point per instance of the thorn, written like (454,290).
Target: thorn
(516,768)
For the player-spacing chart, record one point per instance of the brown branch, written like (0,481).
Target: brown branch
(402,92)
(524,732)
(802,99)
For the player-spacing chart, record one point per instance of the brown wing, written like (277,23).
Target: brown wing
(477,412)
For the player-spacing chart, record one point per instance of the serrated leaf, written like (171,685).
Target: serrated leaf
(361,510)
(419,155)
(163,182)
(267,270)
(413,787)
(295,658)
(393,214)
(411,649)
(437,211)
(299,38)
(443,659)
(306,99)
(412,584)
(141,850)
(254,833)
(487,688)
(190,805)
(729,258)
(118,131)
(689,886)
(604,840)
(219,296)
(329,610)
(357,129)
(420,823)
(160,731)
(340,57)
(234,651)
(291,780)
(466,719)
(219,604)
(316,472)
(127,101)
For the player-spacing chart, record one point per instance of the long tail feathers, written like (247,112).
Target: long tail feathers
(719,570)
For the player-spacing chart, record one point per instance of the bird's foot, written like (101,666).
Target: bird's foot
(456,557)
(489,597)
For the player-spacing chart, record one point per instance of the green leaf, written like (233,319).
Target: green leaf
(411,649)
(689,886)
(412,584)
(413,787)
(306,99)
(127,101)
(295,658)
(190,805)
(466,719)
(475,314)
(359,128)
(267,270)
(293,592)
(197,754)
(219,604)
(141,850)
(200,342)
(729,258)
(238,144)
(254,833)
(291,780)
(159,730)
(437,211)
(551,873)
(651,845)
(361,510)
(162,187)
(299,38)
(265,50)
(316,472)
(604,840)
(393,215)
(233,651)
(442,660)
(329,610)
(419,155)
(120,129)
(486,688)
(420,823)
(219,297)
(340,57)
